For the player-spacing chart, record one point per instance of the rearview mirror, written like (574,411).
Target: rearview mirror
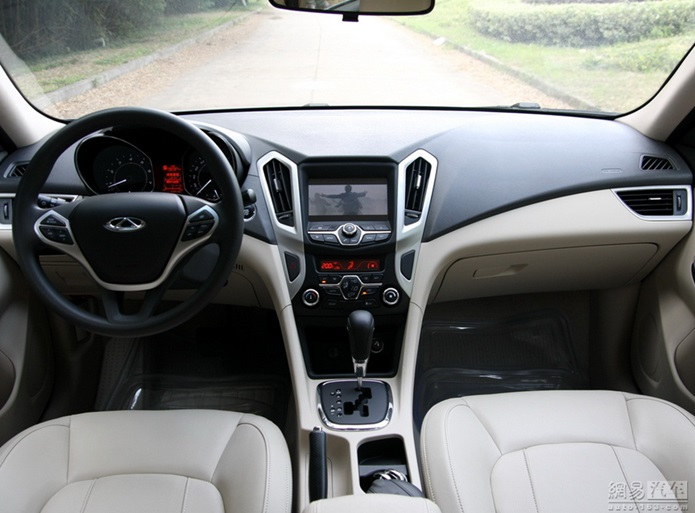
(371,7)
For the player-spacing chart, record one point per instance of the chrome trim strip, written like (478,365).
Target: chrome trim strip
(409,237)
(289,238)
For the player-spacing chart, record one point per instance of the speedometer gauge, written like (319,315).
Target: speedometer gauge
(198,180)
(109,164)
(127,170)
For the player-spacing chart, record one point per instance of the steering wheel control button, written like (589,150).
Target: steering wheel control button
(310,297)
(391,296)
(56,234)
(54,228)
(199,224)
(203,215)
(52,220)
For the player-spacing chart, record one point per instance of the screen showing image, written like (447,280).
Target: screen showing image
(348,199)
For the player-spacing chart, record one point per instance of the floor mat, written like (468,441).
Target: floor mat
(225,358)
(468,358)
(266,396)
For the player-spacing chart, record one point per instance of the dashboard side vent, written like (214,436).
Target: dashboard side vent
(17,170)
(279,180)
(656,202)
(416,176)
(652,163)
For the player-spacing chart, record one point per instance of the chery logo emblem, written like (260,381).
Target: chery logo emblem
(125,224)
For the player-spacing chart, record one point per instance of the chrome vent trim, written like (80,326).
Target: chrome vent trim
(417,176)
(655,163)
(658,203)
(289,236)
(279,180)
(17,170)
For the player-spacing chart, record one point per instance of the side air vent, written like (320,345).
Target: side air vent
(17,170)
(279,180)
(416,176)
(652,163)
(656,202)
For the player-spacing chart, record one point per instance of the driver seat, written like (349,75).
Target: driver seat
(148,462)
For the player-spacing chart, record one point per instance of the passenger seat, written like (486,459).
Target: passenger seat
(559,451)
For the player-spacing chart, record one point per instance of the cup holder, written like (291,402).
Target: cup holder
(379,457)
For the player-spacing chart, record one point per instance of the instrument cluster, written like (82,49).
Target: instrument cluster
(131,160)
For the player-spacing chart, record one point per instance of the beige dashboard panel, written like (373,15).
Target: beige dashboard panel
(589,267)
(582,241)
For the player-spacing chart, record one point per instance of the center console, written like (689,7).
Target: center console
(349,235)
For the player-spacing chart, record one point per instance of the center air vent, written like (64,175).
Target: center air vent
(660,202)
(279,180)
(652,163)
(416,176)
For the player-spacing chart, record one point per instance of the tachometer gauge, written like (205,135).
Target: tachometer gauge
(198,180)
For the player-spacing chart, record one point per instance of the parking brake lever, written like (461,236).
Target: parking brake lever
(360,326)
(318,471)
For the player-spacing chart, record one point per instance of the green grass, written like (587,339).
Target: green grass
(57,72)
(611,78)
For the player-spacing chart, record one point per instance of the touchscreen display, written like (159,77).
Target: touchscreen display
(349,199)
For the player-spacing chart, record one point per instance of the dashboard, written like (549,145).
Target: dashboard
(354,198)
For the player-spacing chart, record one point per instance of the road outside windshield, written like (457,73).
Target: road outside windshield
(71,57)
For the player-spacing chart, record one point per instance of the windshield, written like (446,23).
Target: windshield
(71,57)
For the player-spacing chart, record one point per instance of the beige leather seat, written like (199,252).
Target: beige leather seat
(147,462)
(559,451)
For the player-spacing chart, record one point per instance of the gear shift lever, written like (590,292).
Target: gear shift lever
(360,326)
(367,405)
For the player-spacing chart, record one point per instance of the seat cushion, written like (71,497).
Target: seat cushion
(164,461)
(555,451)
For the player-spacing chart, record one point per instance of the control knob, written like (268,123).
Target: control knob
(349,230)
(310,297)
(391,296)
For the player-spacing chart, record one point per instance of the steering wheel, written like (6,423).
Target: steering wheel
(130,242)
